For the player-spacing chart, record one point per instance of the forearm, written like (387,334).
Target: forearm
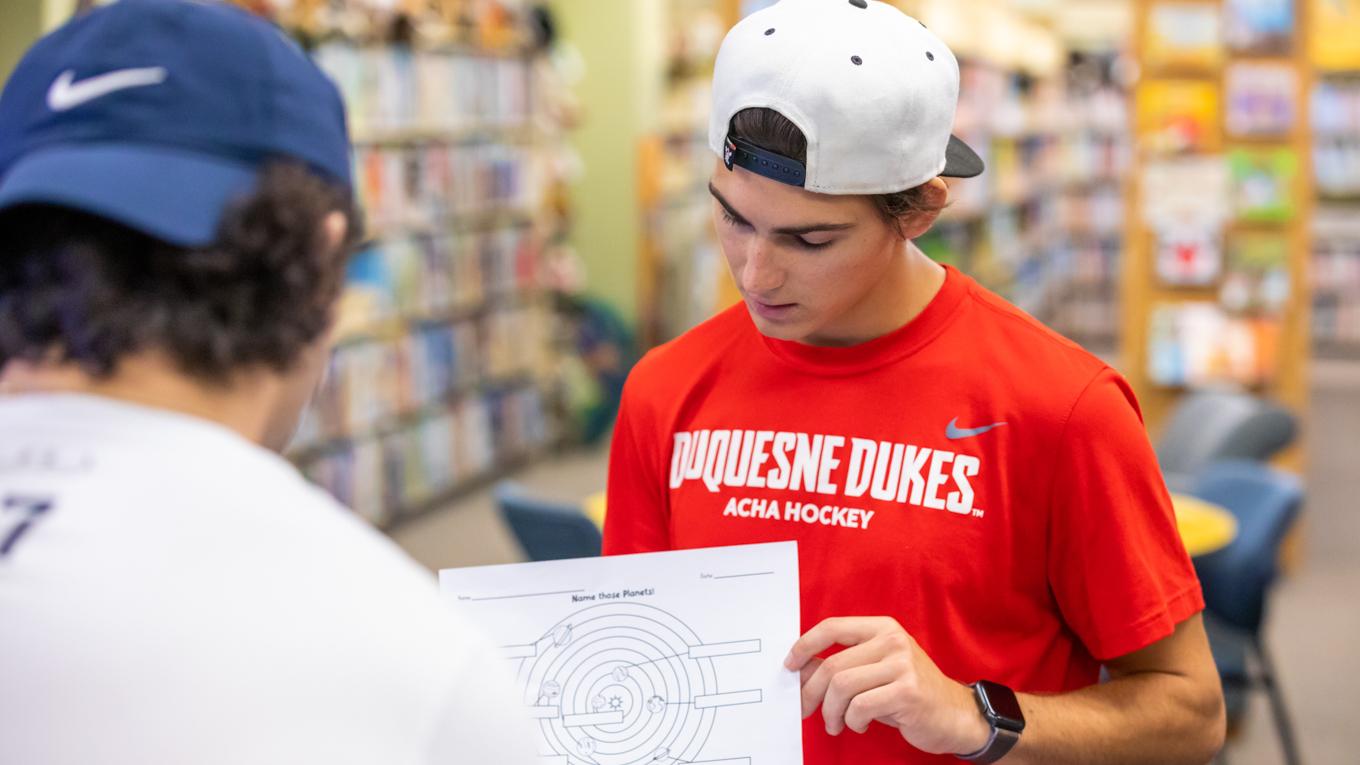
(1140,718)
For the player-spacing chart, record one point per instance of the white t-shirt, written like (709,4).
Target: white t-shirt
(171,593)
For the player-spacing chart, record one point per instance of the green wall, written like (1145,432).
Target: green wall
(623,45)
(21,23)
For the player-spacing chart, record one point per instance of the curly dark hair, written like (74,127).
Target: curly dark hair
(774,132)
(76,288)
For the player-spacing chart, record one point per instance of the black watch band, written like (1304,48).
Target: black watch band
(1001,710)
(999,745)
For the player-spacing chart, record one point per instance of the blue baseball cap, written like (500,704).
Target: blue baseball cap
(158,114)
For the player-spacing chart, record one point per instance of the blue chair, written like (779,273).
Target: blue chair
(1212,425)
(546,530)
(610,349)
(1237,579)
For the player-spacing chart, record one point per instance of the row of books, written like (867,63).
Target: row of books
(1194,186)
(1091,265)
(1025,231)
(1198,343)
(1087,318)
(1041,164)
(1336,245)
(679,263)
(1336,106)
(373,385)
(444,369)
(999,102)
(1093,157)
(485,25)
(1336,282)
(397,88)
(1336,325)
(390,475)
(441,276)
(426,185)
(1003,103)
(1092,212)
(1056,149)
(1336,136)
(1336,164)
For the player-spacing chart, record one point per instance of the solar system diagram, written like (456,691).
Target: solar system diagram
(627,683)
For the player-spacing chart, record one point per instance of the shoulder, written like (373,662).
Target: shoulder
(1012,362)
(300,542)
(1030,338)
(362,565)
(348,579)
(1030,359)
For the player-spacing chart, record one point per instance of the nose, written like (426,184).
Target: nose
(761,274)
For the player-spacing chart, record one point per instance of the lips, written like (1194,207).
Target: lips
(773,311)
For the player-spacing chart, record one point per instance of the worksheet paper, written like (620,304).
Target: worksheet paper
(654,659)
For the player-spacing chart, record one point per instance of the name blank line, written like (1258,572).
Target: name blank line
(530,595)
(742,576)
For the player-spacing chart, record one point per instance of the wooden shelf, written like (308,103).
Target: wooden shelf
(397,452)
(1140,289)
(451,47)
(1338,350)
(466,487)
(425,136)
(488,220)
(394,423)
(385,327)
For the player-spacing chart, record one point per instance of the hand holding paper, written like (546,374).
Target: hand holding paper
(884,675)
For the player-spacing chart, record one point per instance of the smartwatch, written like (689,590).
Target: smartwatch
(1002,711)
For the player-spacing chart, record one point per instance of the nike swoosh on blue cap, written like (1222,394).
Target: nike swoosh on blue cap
(159,114)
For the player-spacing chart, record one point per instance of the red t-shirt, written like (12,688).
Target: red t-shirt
(973,475)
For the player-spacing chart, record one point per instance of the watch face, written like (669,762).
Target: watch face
(1004,706)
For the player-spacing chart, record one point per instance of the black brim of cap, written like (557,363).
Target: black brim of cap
(960,161)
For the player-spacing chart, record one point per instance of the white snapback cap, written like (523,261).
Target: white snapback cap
(871,88)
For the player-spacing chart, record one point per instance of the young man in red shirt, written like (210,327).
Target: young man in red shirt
(974,497)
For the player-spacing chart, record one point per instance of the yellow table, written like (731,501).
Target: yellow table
(594,508)
(1204,526)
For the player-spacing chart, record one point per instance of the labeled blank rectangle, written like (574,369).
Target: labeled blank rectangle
(544,713)
(599,718)
(727,699)
(562,759)
(519,651)
(724,649)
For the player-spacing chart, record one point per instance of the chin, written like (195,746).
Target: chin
(779,330)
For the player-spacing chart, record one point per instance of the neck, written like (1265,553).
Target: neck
(152,381)
(907,287)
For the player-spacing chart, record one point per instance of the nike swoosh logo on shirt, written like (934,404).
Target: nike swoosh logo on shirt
(66,93)
(954,432)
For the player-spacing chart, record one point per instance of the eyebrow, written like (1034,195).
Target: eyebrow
(787,230)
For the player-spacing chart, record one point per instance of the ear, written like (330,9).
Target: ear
(334,229)
(331,235)
(935,195)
